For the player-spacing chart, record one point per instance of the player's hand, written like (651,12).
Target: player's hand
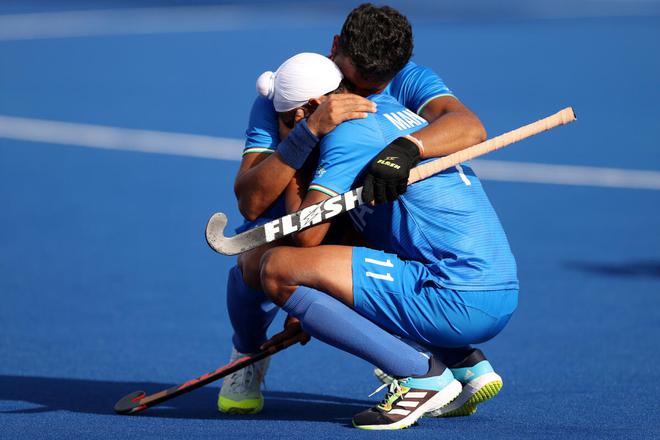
(387,176)
(291,327)
(335,109)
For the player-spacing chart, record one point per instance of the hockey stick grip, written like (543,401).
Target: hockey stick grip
(421,172)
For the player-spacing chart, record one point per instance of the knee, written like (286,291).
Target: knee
(274,276)
(249,264)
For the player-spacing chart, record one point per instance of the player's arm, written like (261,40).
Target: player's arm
(264,175)
(452,127)
(341,157)
(312,236)
(297,188)
(298,196)
(260,180)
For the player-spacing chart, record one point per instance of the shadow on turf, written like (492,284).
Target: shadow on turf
(636,269)
(99,397)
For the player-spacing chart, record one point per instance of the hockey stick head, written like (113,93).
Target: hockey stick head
(215,231)
(237,244)
(130,403)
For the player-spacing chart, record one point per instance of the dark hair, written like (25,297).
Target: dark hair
(378,40)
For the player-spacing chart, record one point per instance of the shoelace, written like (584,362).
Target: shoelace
(246,377)
(242,378)
(394,390)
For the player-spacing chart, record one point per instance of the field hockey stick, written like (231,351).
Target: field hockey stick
(341,203)
(139,401)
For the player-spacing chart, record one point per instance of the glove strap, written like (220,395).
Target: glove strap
(417,142)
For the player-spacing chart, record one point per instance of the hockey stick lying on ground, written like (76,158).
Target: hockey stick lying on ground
(138,400)
(341,203)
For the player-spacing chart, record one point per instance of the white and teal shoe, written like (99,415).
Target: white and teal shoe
(241,390)
(409,399)
(479,384)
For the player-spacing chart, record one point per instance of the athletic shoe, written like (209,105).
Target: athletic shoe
(408,399)
(480,383)
(241,391)
(479,380)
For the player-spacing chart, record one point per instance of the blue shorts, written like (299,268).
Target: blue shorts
(408,300)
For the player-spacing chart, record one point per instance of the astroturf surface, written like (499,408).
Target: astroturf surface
(107,285)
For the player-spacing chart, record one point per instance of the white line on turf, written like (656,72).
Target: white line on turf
(144,21)
(216,18)
(566,174)
(114,138)
(210,147)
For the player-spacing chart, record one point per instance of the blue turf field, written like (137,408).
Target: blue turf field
(107,284)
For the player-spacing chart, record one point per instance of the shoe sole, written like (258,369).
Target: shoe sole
(475,392)
(229,406)
(442,398)
(239,411)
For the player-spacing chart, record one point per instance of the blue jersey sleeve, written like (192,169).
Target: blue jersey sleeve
(262,134)
(344,153)
(415,86)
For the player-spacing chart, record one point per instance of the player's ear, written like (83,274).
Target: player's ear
(312,105)
(333,50)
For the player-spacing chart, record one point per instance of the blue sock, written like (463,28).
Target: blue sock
(250,313)
(453,355)
(334,323)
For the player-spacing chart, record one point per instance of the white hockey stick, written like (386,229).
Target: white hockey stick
(341,203)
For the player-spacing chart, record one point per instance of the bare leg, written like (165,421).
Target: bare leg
(325,268)
(250,310)
(315,285)
(249,263)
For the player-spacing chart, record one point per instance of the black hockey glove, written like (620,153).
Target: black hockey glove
(387,176)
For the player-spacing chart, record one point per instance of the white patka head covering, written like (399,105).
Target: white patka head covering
(299,79)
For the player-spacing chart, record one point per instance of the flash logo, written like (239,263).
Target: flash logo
(312,215)
(387,163)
